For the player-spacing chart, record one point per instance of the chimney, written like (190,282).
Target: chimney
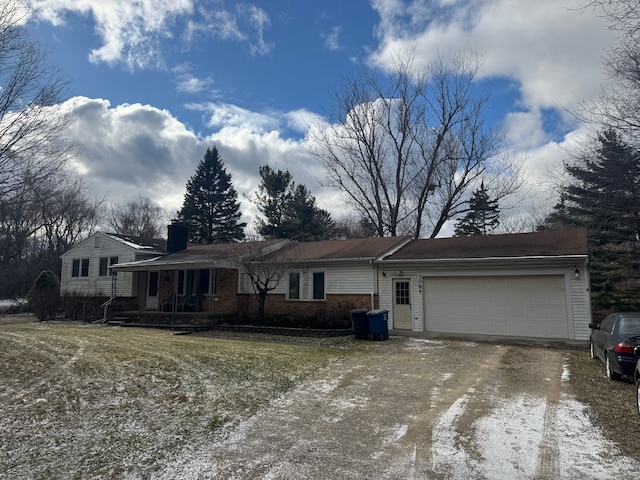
(177,235)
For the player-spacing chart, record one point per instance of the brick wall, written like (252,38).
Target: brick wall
(334,307)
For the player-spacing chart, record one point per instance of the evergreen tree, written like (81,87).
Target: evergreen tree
(211,209)
(290,210)
(272,199)
(483,215)
(604,198)
(306,221)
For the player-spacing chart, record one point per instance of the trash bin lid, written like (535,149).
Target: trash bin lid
(359,310)
(377,312)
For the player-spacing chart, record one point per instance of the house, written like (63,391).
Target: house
(86,266)
(533,285)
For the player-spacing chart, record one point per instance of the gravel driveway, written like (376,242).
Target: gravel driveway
(413,408)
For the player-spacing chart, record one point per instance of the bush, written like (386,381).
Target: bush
(44,296)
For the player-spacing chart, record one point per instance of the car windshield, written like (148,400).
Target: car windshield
(629,326)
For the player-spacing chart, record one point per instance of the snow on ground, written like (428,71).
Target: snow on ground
(520,437)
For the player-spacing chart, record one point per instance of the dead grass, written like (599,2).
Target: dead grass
(81,401)
(613,403)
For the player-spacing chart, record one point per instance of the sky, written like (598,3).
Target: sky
(154,83)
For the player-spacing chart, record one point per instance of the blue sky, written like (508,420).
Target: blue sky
(155,82)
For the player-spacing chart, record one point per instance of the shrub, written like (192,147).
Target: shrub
(44,296)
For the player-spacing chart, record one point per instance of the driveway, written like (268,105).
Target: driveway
(414,408)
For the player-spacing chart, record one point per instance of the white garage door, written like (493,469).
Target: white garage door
(531,306)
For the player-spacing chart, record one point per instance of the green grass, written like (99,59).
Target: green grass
(80,401)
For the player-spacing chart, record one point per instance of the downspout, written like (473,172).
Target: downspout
(374,270)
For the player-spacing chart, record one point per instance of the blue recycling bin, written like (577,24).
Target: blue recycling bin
(379,324)
(360,323)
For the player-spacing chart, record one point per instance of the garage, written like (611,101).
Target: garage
(507,305)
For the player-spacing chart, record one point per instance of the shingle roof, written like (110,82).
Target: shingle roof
(196,254)
(544,243)
(353,249)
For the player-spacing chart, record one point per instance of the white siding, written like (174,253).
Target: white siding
(581,301)
(97,246)
(340,278)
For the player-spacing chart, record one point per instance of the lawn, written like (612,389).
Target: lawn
(82,401)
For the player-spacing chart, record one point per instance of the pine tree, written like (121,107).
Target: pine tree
(290,210)
(604,197)
(483,215)
(272,199)
(211,209)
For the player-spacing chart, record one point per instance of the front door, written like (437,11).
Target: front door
(402,304)
(152,291)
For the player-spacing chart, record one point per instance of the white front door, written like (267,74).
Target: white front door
(152,291)
(402,304)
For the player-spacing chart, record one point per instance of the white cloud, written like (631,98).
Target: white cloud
(133,33)
(332,39)
(553,49)
(190,84)
(133,150)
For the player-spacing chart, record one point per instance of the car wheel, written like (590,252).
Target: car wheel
(611,375)
(592,350)
(638,394)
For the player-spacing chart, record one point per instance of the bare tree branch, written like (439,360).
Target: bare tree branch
(406,148)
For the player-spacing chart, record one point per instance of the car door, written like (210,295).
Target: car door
(602,336)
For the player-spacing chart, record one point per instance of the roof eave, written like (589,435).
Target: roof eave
(535,258)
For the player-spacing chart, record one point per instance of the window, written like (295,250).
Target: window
(402,293)
(84,272)
(294,286)
(197,281)
(80,267)
(75,268)
(105,262)
(318,285)
(608,323)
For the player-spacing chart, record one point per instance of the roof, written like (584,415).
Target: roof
(535,244)
(146,245)
(352,249)
(208,254)
(156,244)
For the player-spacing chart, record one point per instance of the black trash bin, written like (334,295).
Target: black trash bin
(379,324)
(360,323)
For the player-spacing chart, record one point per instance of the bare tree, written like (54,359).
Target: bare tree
(32,121)
(139,218)
(69,213)
(263,270)
(618,105)
(407,148)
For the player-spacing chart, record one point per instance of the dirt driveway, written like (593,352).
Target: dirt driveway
(418,409)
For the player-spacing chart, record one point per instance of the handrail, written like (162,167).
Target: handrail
(105,305)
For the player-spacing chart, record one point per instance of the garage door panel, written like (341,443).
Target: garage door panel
(530,306)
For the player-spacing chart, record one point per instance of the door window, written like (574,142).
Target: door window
(402,293)
(153,284)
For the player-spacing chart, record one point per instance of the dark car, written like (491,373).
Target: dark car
(613,341)
(636,376)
